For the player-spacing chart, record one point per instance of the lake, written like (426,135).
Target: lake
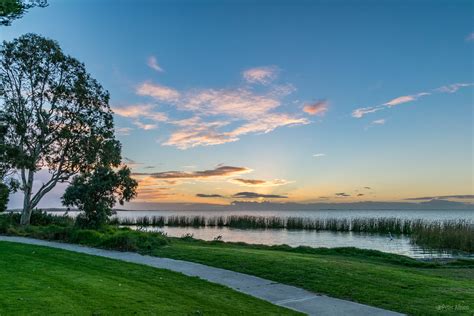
(397,244)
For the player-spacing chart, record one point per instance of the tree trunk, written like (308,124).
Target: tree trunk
(26,215)
(27,207)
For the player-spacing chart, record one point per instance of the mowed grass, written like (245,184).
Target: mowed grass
(389,281)
(45,281)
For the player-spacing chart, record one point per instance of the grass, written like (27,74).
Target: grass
(389,281)
(40,280)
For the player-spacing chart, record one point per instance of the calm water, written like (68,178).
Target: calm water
(398,245)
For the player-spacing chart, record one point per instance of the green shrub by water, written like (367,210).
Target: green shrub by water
(109,237)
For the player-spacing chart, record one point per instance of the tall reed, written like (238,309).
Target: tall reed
(448,234)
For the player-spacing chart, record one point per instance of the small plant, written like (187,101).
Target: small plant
(187,237)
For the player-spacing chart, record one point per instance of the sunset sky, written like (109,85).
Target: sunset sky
(301,101)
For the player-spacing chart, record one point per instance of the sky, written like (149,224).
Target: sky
(283,101)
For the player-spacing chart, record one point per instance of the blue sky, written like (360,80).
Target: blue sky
(271,89)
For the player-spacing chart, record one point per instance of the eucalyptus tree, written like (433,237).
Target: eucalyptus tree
(58,117)
(14,9)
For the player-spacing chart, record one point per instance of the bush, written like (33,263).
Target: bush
(4,193)
(42,218)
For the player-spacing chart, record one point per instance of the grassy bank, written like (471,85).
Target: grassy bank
(442,235)
(371,277)
(39,281)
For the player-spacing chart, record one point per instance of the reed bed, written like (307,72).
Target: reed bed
(443,234)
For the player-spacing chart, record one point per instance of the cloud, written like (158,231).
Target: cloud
(136,111)
(202,195)
(237,103)
(360,194)
(262,75)
(153,64)
(133,111)
(158,92)
(223,171)
(360,112)
(269,123)
(405,99)
(470,37)
(130,162)
(153,194)
(253,195)
(219,116)
(451,88)
(196,132)
(342,194)
(123,131)
(461,196)
(144,126)
(318,108)
(199,133)
(259,183)
(368,188)
(319,155)
(378,122)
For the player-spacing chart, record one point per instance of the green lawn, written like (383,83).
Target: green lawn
(46,281)
(388,281)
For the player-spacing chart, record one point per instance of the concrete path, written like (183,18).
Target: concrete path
(273,292)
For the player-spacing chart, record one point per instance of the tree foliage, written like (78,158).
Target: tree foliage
(95,193)
(14,9)
(57,116)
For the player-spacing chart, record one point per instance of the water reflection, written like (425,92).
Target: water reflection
(398,244)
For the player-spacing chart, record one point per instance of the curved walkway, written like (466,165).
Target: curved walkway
(273,292)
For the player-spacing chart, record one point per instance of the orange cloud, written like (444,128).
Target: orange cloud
(318,108)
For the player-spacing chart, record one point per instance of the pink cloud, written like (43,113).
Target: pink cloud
(405,99)
(158,92)
(262,75)
(318,108)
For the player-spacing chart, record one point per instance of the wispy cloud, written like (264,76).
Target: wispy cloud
(406,98)
(258,182)
(451,88)
(318,108)
(136,111)
(123,131)
(195,132)
(238,103)
(158,92)
(360,112)
(379,122)
(342,194)
(319,155)
(263,75)
(441,197)
(219,116)
(470,37)
(145,126)
(153,64)
(223,171)
(253,195)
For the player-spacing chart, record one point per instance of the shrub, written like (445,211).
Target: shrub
(4,193)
